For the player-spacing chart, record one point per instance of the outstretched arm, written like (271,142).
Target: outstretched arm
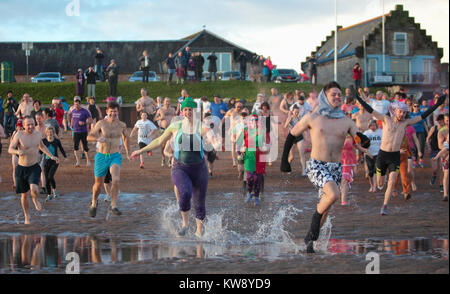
(155,143)
(369,108)
(429,111)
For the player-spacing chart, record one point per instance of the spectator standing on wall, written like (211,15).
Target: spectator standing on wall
(145,66)
(186,54)
(357,73)
(171,67)
(199,61)
(113,75)
(242,65)
(99,63)
(79,83)
(270,66)
(255,67)
(91,80)
(312,67)
(179,67)
(212,67)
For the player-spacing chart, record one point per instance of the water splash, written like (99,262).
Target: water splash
(16,219)
(271,229)
(321,245)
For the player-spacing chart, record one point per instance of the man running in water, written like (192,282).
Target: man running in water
(394,127)
(26,145)
(108,133)
(328,127)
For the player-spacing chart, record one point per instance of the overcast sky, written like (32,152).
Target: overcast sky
(286,30)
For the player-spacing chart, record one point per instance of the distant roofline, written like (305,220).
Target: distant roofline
(98,41)
(363,22)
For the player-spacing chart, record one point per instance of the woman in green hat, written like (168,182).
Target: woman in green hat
(189,172)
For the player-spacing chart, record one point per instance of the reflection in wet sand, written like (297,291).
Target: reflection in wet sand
(26,253)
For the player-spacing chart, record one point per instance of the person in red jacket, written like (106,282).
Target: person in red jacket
(357,72)
(59,111)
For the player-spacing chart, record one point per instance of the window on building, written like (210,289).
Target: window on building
(427,71)
(401,70)
(344,48)
(223,61)
(372,69)
(400,44)
(330,52)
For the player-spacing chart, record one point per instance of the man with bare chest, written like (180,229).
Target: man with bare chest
(26,145)
(362,118)
(394,127)
(146,104)
(328,127)
(165,114)
(107,132)
(25,107)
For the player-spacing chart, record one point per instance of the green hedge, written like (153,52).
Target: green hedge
(130,91)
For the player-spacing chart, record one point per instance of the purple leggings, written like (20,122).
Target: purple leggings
(191,180)
(254,182)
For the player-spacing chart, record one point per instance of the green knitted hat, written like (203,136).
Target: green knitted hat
(188,102)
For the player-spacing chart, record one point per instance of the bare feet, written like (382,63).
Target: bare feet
(88,163)
(27,220)
(77,164)
(413,187)
(37,204)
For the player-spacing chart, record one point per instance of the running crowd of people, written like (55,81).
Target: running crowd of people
(382,134)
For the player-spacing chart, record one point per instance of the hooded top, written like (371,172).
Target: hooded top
(397,105)
(325,109)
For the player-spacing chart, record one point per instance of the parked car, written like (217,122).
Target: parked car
(287,75)
(137,76)
(232,75)
(48,77)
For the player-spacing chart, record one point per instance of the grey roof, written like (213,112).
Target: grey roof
(351,35)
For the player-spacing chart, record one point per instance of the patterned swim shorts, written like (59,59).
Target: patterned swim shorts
(321,172)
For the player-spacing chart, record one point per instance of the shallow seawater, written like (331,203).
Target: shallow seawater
(147,231)
(47,253)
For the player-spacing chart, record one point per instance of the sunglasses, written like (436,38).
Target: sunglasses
(415,105)
(77,101)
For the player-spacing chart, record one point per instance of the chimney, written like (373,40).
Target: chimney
(399,7)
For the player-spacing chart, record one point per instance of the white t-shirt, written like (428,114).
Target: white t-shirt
(381,106)
(375,140)
(144,128)
(256,107)
(206,107)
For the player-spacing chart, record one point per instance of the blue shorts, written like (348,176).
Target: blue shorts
(104,161)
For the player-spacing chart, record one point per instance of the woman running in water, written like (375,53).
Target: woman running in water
(50,166)
(189,171)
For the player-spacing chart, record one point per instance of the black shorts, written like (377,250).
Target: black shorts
(77,137)
(25,176)
(142,145)
(108,178)
(211,156)
(387,161)
(371,165)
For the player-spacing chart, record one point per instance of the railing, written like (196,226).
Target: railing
(404,78)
